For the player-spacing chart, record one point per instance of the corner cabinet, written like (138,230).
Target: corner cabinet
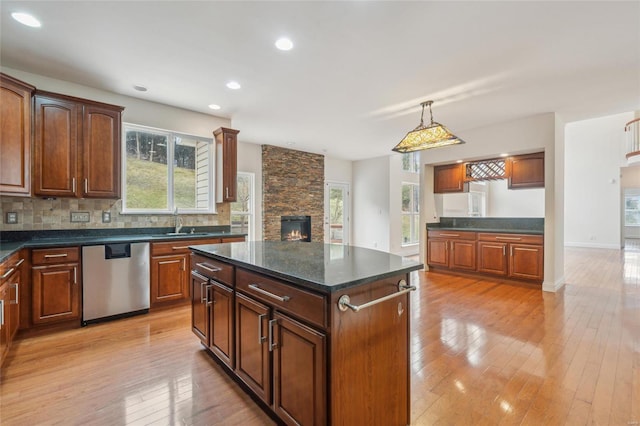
(526,171)
(15,136)
(449,178)
(76,147)
(226,164)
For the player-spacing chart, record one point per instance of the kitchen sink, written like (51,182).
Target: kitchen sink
(186,234)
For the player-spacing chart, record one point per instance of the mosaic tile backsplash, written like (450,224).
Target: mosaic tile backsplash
(41,214)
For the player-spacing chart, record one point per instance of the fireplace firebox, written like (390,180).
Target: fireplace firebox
(295,228)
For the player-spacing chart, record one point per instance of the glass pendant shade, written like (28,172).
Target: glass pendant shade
(424,137)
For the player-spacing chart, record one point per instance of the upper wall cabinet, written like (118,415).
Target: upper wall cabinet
(226,164)
(15,136)
(526,171)
(449,178)
(76,147)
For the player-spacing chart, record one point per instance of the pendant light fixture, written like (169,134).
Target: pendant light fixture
(424,137)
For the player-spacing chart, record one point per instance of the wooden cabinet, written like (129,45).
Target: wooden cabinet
(518,256)
(15,136)
(200,307)
(226,164)
(221,322)
(526,171)
(76,147)
(4,321)
(452,249)
(449,178)
(170,274)
(55,284)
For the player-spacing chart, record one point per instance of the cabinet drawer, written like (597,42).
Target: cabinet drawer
(301,303)
(210,268)
(50,256)
(452,235)
(179,246)
(510,238)
(10,264)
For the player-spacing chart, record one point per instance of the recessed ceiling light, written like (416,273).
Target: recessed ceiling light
(504,154)
(214,106)
(26,19)
(284,44)
(459,161)
(139,88)
(233,85)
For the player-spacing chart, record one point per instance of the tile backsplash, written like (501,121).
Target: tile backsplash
(41,214)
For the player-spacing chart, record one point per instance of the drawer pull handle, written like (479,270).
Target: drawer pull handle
(6,274)
(17,301)
(19,262)
(509,238)
(180,247)
(209,267)
(261,338)
(449,235)
(207,291)
(2,312)
(48,256)
(203,295)
(257,288)
(345,301)
(272,344)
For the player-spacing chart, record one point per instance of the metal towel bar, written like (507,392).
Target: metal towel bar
(344,301)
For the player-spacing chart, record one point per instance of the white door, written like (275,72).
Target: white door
(336,213)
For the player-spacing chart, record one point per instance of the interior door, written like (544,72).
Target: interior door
(336,213)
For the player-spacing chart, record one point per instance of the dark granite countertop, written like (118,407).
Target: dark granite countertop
(503,225)
(14,241)
(322,267)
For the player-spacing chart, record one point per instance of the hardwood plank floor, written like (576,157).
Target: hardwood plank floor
(482,352)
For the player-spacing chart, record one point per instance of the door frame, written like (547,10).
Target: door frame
(346,212)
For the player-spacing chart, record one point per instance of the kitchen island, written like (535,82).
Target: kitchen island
(316,333)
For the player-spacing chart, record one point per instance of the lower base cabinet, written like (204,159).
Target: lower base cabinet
(308,362)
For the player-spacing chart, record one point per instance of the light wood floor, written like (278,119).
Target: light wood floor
(482,352)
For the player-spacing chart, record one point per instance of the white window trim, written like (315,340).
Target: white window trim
(211,209)
(411,214)
(252,205)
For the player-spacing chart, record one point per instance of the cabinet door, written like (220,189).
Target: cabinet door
(526,171)
(449,178)
(462,255)
(15,134)
(200,307)
(299,376)
(253,358)
(56,293)
(526,261)
(222,323)
(226,163)
(169,277)
(55,147)
(4,321)
(101,152)
(14,284)
(492,258)
(437,252)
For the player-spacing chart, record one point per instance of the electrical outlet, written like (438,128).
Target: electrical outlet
(12,217)
(106,217)
(79,216)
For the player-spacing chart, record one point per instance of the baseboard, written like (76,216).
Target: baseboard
(592,245)
(553,287)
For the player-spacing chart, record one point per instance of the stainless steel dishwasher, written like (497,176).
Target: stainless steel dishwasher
(115,281)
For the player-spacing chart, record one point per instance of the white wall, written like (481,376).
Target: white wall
(137,111)
(505,202)
(593,150)
(371,194)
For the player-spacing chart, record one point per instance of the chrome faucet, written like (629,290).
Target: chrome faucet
(178,221)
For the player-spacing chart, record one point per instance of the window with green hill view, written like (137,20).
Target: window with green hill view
(165,171)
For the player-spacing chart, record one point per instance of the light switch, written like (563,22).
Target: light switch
(79,216)
(106,217)
(12,217)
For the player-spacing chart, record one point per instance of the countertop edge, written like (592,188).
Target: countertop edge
(307,284)
(488,230)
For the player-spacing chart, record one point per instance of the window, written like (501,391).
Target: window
(151,186)
(631,209)
(242,209)
(411,162)
(410,213)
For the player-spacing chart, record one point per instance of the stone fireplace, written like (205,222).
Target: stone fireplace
(295,228)
(292,185)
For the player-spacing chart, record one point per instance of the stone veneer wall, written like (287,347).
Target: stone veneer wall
(41,214)
(292,185)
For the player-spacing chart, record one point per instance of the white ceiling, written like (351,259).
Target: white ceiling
(352,85)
